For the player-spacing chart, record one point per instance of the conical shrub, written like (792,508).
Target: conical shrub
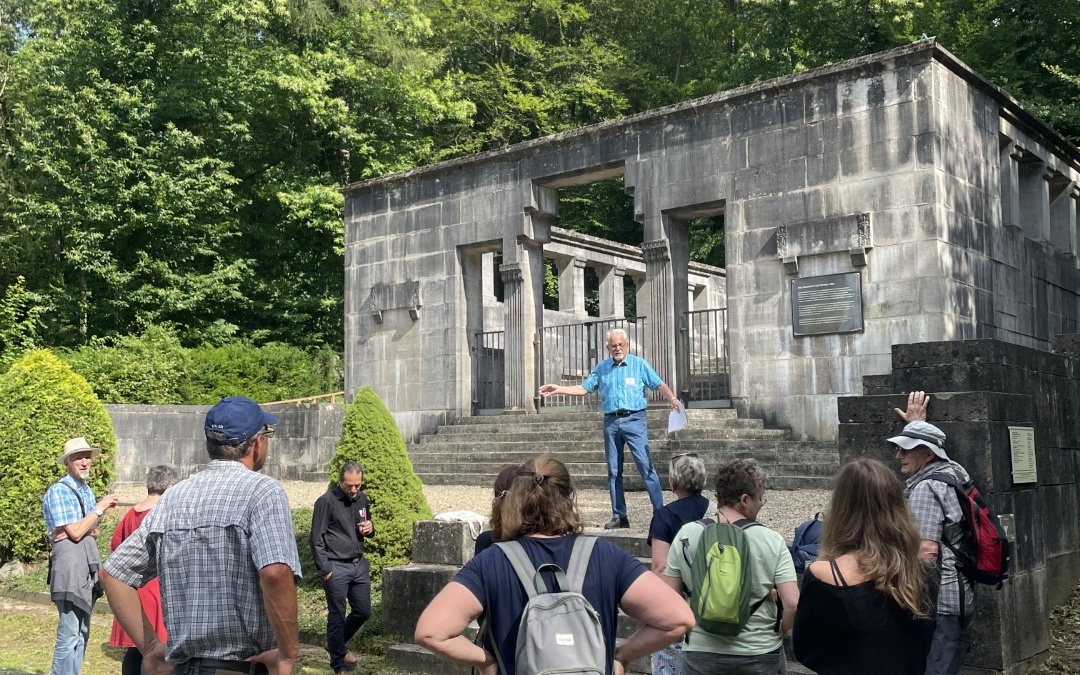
(45,404)
(370,436)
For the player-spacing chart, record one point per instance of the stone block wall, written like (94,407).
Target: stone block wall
(147,435)
(978,389)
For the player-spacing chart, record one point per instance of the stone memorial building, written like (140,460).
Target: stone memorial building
(891,199)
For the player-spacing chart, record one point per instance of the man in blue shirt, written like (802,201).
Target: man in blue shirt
(621,379)
(72,513)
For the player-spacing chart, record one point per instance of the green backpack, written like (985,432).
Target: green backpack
(720,577)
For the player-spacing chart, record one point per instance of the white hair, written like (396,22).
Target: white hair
(617,331)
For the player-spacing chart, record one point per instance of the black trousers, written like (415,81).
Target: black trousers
(351,582)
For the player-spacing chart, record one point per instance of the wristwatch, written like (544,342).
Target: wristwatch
(99,512)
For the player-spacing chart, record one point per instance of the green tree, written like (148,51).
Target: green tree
(20,312)
(370,436)
(45,404)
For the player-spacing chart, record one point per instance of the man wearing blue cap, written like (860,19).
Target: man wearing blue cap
(223,546)
(920,450)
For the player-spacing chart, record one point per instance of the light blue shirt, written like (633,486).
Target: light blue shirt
(62,507)
(622,386)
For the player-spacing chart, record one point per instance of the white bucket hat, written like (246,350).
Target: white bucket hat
(74,445)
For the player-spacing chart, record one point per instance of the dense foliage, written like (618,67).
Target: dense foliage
(179,163)
(370,436)
(155,368)
(45,404)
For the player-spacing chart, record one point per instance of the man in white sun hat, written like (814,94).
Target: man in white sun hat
(71,517)
(920,450)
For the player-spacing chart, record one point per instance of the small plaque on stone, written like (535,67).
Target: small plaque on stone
(827,304)
(1022,445)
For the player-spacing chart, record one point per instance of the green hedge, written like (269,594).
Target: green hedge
(45,404)
(155,367)
(370,436)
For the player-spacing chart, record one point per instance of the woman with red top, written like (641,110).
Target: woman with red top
(158,479)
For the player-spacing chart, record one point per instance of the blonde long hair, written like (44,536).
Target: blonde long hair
(869,518)
(540,501)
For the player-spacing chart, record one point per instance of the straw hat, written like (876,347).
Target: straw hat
(74,445)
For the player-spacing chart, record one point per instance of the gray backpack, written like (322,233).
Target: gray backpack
(559,632)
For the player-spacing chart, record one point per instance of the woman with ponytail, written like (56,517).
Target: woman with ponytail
(539,511)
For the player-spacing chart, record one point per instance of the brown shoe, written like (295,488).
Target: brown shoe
(350,658)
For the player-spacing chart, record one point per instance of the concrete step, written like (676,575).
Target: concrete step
(511,427)
(549,415)
(661,450)
(582,470)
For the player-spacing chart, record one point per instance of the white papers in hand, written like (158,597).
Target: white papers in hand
(676,420)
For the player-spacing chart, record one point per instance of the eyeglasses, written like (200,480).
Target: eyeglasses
(682,454)
(617,345)
(267,431)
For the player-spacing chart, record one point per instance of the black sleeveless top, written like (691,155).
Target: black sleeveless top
(857,629)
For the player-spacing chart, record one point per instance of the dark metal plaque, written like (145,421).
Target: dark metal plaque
(827,304)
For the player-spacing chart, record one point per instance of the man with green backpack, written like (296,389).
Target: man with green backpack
(735,570)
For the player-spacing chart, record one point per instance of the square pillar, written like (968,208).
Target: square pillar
(1010,183)
(1035,198)
(612,302)
(572,285)
(1063,215)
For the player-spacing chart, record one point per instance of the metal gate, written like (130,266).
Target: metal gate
(489,372)
(567,354)
(707,356)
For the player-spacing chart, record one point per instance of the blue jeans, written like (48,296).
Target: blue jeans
(632,431)
(946,647)
(350,581)
(72,634)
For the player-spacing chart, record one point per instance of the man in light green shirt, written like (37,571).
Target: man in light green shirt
(758,649)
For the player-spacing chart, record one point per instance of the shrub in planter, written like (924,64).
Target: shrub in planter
(45,403)
(370,436)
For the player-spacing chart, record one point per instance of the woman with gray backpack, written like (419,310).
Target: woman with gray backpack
(549,595)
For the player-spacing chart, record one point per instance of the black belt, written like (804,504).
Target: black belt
(622,412)
(252,667)
(347,560)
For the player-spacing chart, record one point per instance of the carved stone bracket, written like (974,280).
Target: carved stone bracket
(655,251)
(394,296)
(853,235)
(511,273)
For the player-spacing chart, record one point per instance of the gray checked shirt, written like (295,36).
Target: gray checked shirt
(206,539)
(937,515)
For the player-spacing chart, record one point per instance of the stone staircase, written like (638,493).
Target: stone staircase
(472,450)
(439,550)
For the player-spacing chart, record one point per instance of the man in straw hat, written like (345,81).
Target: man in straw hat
(222,546)
(920,450)
(71,516)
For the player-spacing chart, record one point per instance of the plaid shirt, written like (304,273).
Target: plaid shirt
(937,515)
(62,507)
(206,539)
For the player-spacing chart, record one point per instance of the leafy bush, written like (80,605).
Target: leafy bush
(45,404)
(370,436)
(147,368)
(155,368)
(20,314)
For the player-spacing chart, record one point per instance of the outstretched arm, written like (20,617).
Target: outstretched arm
(917,403)
(670,396)
(573,390)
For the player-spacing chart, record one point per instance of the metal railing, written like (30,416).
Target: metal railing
(707,356)
(489,371)
(568,353)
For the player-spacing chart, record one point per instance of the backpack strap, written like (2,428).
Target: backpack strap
(579,562)
(744,525)
(78,498)
(704,522)
(523,567)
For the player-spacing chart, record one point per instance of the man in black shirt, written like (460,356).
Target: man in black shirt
(338,527)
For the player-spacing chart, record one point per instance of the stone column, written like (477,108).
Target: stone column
(1063,215)
(660,293)
(489,272)
(1035,198)
(1010,184)
(523,303)
(572,285)
(612,301)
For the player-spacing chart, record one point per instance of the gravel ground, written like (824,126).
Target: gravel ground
(784,509)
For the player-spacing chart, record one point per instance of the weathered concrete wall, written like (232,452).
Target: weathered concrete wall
(889,165)
(147,435)
(978,389)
